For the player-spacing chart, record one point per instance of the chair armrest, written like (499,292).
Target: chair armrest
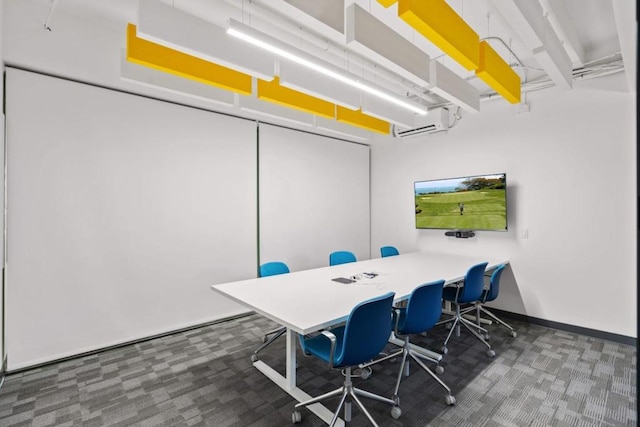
(396,321)
(332,338)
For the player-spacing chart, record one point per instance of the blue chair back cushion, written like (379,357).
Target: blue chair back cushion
(363,336)
(273,268)
(471,289)
(386,251)
(423,309)
(494,284)
(341,257)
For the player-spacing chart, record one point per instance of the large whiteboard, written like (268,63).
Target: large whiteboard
(314,197)
(121,212)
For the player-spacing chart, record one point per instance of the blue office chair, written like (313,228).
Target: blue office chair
(490,295)
(270,269)
(362,337)
(386,251)
(464,298)
(341,257)
(422,311)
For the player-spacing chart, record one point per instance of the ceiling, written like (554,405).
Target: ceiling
(599,37)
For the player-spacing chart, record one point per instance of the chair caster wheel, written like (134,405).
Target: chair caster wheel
(439,369)
(254,358)
(514,334)
(451,400)
(445,350)
(296,417)
(396,412)
(265,339)
(491,353)
(365,373)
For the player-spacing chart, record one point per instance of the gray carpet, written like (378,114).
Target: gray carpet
(204,377)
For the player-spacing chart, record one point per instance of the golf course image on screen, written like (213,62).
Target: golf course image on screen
(466,203)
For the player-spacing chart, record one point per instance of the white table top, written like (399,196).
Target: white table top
(307,301)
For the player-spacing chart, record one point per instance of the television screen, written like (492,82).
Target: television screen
(467,203)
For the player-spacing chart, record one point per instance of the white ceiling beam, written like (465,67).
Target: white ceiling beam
(561,20)
(528,20)
(165,25)
(369,36)
(454,88)
(625,14)
(329,12)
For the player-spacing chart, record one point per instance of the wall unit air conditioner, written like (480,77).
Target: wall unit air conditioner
(436,121)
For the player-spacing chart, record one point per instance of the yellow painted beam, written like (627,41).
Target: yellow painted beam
(441,25)
(273,92)
(387,3)
(149,54)
(359,119)
(495,72)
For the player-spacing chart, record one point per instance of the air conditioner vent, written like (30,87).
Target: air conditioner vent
(436,121)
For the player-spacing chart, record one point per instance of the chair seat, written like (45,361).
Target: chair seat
(320,346)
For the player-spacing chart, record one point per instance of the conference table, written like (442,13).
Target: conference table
(308,301)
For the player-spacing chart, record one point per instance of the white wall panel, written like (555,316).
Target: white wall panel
(314,197)
(122,211)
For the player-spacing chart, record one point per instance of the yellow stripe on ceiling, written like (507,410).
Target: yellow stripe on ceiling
(149,54)
(359,119)
(495,72)
(441,25)
(387,3)
(273,92)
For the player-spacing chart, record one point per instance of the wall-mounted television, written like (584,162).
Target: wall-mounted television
(476,202)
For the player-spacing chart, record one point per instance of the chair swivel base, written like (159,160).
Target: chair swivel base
(348,393)
(472,327)
(512,332)
(404,371)
(276,333)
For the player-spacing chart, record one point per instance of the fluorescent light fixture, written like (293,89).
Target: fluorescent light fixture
(270,44)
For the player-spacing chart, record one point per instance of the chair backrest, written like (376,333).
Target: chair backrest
(388,251)
(494,283)
(341,257)
(366,332)
(273,268)
(423,310)
(473,283)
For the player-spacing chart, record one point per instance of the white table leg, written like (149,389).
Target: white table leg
(288,382)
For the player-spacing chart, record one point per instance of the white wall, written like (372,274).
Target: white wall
(314,198)
(571,176)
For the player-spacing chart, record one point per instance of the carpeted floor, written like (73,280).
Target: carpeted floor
(204,377)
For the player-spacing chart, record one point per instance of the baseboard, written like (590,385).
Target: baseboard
(609,336)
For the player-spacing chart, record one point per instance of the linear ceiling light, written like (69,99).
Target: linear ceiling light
(441,25)
(498,74)
(162,58)
(287,52)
